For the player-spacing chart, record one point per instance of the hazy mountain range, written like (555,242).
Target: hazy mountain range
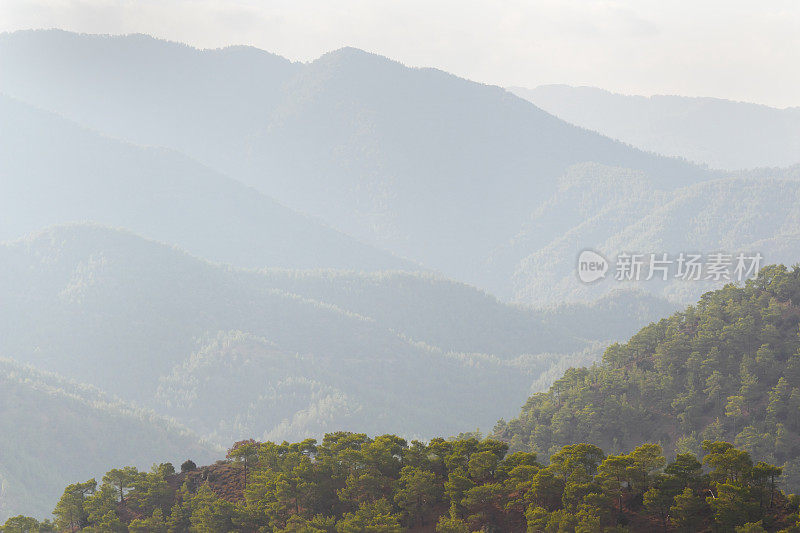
(230,353)
(440,172)
(55,430)
(712,131)
(55,171)
(232,245)
(615,210)
(153,325)
(426,165)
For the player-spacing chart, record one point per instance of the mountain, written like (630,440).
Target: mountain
(615,211)
(429,166)
(53,171)
(663,406)
(273,354)
(53,431)
(726,368)
(711,131)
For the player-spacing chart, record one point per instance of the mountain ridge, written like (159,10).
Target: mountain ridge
(718,132)
(432,167)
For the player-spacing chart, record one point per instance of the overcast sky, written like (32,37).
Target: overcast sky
(727,48)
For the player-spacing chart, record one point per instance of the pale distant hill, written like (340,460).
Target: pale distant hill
(152,324)
(429,166)
(712,131)
(54,432)
(53,171)
(621,213)
(277,354)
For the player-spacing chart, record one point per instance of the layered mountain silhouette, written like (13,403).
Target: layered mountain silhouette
(712,131)
(429,166)
(122,313)
(234,245)
(170,332)
(53,171)
(618,212)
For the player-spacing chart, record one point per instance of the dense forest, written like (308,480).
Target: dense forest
(690,426)
(727,368)
(297,353)
(350,483)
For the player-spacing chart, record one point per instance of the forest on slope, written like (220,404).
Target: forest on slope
(350,483)
(727,368)
(53,430)
(636,443)
(272,353)
(290,349)
(615,210)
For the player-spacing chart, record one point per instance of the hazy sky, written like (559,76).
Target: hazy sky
(743,50)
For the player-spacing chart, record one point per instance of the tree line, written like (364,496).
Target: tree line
(350,483)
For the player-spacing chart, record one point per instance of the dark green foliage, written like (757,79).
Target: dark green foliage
(725,369)
(349,483)
(188,465)
(26,524)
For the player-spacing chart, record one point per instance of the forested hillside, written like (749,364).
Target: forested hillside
(614,210)
(53,431)
(727,368)
(273,353)
(293,353)
(203,246)
(349,483)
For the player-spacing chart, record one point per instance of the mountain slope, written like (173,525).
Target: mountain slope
(614,210)
(725,369)
(169,331)
(53,431)
(719,133)
(432,167)
(53,171)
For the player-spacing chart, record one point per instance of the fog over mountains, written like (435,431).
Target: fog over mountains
(154,325)
(712,131)
(429,166)
(207,245)
(55,429)
(617,211)
(273,354)
(56,171)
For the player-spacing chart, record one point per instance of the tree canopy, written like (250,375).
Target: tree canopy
(350,483)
